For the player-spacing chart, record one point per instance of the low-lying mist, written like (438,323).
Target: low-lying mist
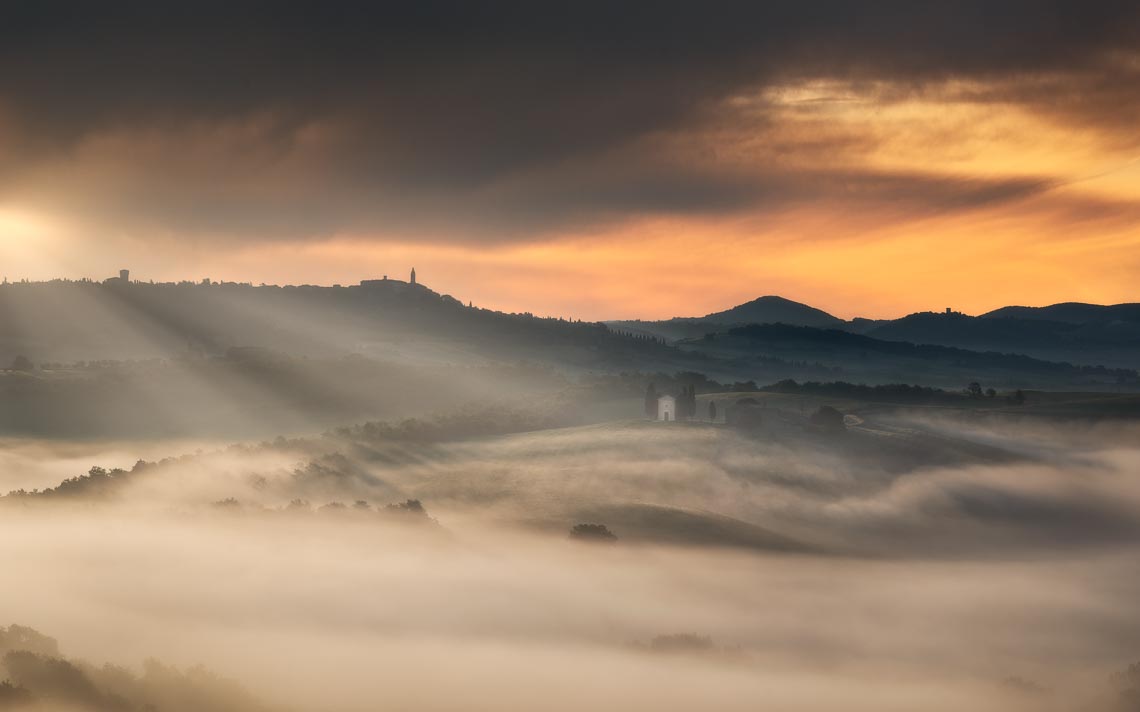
(911,562)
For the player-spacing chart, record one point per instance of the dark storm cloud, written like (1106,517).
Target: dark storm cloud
(518,116)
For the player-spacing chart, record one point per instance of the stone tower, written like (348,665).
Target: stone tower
(413,279)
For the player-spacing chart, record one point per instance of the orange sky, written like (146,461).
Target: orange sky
(831,239)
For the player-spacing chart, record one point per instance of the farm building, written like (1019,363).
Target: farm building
(666,408)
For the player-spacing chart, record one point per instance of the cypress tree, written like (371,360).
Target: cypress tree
(651,401)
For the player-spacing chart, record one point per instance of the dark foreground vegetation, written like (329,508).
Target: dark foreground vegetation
(36,676)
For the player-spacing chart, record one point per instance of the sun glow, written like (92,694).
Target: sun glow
(27,239)
(866,199)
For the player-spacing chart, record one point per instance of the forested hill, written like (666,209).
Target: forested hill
(60,323)
(1110,335)
(773,310)
(780,350)
(1090,334)
(64,321)
(1071,313)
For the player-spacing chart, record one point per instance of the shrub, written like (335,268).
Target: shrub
(592,532)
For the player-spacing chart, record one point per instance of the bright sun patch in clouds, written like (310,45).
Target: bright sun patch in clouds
(16,224)
(29,243)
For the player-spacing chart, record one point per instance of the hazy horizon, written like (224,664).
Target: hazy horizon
(846,314)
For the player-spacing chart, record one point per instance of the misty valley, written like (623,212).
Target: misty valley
(238,497)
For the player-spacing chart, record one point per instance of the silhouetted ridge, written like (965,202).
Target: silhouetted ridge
(1070,312)
(68,321)
(774,310)
(1078,333)
(955,328)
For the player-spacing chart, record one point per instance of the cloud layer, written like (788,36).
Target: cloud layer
(511,123)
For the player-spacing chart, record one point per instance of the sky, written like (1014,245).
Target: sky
(589,160)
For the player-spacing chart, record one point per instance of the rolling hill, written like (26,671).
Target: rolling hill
(1071,312)
(1084,334)
(1105,340)
(773,310)
(780,350)
(763,310)
(61,323)
(73,330)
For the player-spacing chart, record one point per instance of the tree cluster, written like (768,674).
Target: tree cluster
(651,397)
(687,403)
(592,532)
(40,678)
(639,336)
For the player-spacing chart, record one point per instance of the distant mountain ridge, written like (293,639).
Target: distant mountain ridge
(774,310)
(63,325)
(836,354)
(1070,312)
(1070,331)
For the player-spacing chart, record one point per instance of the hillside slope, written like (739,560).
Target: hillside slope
(66,322)
(1071,312)
(773,310)
(781,351)
(1104,340)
